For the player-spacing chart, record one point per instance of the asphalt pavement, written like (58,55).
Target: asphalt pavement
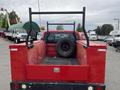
(4,64)
(112,67)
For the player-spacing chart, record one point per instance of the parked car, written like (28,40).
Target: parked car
(102,37)
(92,35)
(19,36)
(116,43)
(18,32)
(109,40)
(16,35)
(117,38)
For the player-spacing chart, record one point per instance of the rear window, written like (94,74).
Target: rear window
(54,37)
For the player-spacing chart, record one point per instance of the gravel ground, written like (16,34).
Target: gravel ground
(112,67)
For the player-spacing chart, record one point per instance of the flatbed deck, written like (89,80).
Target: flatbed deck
(60,61)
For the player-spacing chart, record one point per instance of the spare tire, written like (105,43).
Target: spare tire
(65,47)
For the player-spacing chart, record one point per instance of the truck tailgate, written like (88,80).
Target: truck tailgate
(57,72)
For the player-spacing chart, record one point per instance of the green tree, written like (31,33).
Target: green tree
(79,28)
(3,21)
(60,27)
(98,30)
(13,17)
(106,29)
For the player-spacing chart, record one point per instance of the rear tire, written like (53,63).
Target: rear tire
(9,38)
(16,40)
(65,47)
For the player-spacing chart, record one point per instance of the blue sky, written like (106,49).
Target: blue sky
(98,11)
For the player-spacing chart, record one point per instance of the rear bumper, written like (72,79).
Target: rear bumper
(54,86)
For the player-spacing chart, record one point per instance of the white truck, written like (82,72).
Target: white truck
(16,32)
(92,35)
(16,35)
(19,36)
(115,34)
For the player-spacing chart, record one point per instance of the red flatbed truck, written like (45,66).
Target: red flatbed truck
(59,61)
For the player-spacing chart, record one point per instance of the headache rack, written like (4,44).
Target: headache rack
(60,12)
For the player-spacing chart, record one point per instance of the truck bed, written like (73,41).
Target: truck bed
(60,61)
